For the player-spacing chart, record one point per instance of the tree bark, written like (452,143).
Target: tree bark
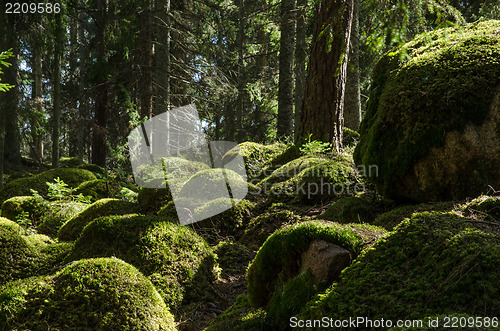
(56,116)
(285,85)
(36,95)
(146,85)
(322,111)
(300,62)
(352,101)
(99,134)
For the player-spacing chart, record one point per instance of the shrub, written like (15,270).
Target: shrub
(73,227)
(93,294)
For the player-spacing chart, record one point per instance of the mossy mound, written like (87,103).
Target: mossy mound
(487,206)
(56,214)
(289,170)
(69,162)
(22,186)
(24,206)
(319,182)
(240,316)
(431,124)
(349,137)
(23,256)
(151,200)
(73,227)
(176,260)
(276,261)
(233,257)
(361,208)
(100,172)
(434,263)
(98,189)
(93,294)
(395,216)
(256,156)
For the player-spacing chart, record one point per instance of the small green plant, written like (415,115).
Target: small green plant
(58,190)
(127,194)
(314,147)
(23,219)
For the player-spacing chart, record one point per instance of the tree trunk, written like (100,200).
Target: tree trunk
(300,62)
(322,111)
(162,102)
(285,85)
(36,95)
(83,105)
(146,85)
(352,101)
(240,42)
(99,134)
(56,116)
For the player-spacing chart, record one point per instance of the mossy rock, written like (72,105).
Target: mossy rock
(100,172)
(276,261)
(23,255)
(350,137)
(319,183)
(395,216)
(290,153)
(431,123)
(22,186)
(240,316)
(177,261)
(72,229)
(488,206)
(69,162)
(56,214)
(256,156)
(434,263)
(233,257)
(151,200)
(97,189)
(358,209)
(92,294)
(18,206)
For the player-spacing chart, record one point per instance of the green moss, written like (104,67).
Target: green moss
(56,214)
(488,206)
(69,162)
(395,216)
(358,209)
(93,294)
(437,83)
(73,227)
(289,170)
(100,172)
(433,263)
(276,261)
(233,257)
(22,186)
(23,256)
(349,137)
(98,189)
(18,206)
(176,260)
(152,200)
(240,316)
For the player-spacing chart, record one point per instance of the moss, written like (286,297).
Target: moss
(233,257)
(437,83)
(100,172)
(151,200)
(432,264)
(56,214)
(18,206)
(23,255)
(289,170)
(395,216)
(350,137)
(69,162)
(93,294)
(276,261)
(22,186)
(98,189)
(488,206)
(73,227)
(240,316)
(256,156)
(357,209)
(176,260)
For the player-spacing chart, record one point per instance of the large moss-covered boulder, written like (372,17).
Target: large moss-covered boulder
(97,189)
(28,207)
(92,294)
(177,261)
(436,263)
(23,255)
(23,186)
(73,227)
(432,124)
(56,214)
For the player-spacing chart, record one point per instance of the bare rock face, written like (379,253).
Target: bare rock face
(325,260)
(432,123)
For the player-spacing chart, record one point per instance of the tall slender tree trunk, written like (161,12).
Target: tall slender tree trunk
(300,62)
(240,102)
(36,95)
(146,62)
(56,116)
(83,105)
(322,111)
(73,131)
(101,100)
(161,57)
(352,101)
(285,85)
